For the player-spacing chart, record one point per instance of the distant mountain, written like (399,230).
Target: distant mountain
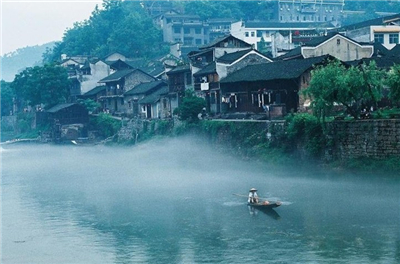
(15,62)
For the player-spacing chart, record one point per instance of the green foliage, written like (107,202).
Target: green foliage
(48,85)
(386,113)
(306,129)
(90,104)
(390,164)
(7,94)
(393,81)
(24,122)
(246,10)
(190,108)
(353,88)
(105,124)
(121,26)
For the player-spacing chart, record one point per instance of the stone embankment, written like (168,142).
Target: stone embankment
(365,138)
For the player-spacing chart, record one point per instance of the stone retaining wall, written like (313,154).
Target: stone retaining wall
(365,138)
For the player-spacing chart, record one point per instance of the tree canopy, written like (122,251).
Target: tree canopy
(190,107)
(351,87)
(48,85)
(121,26)
(393,81)
(7,94)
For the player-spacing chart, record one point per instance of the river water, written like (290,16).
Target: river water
(171,201)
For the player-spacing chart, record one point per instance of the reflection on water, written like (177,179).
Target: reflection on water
(171,202)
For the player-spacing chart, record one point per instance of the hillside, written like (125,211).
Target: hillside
(14,62)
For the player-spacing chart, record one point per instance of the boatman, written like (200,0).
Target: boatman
(253,197)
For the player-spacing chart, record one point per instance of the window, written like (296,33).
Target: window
(253,34)
(186,30)
(378,38)
(197,31)
(259,33)
(246,34)
(177,30)
(394,38)
(198,41)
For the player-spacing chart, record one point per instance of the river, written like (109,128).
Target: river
(171,201)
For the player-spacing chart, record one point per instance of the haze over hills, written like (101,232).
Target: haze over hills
(14,62)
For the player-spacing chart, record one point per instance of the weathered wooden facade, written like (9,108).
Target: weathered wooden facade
(117,84)
(139,92)
(271,88)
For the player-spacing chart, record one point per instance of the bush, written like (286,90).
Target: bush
(190,108)
(105,124)
(306,128)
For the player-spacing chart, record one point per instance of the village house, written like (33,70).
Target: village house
(137,106)
(84,73)
(68,121)
(216,61)
(179,80)
(384,30)
(307,11)
(274,38)
(269,88)
(117,84)
(334,44)
(156,104)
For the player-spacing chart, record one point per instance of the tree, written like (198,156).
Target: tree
(7,95)
(121,26)
(48,85)
(352,87)
(191,107)
(90,104)
(393,81)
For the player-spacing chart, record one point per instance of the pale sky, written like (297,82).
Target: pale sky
(35,22)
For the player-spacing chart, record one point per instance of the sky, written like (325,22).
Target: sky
(36,22)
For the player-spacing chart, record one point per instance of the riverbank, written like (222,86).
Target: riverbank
(297,142)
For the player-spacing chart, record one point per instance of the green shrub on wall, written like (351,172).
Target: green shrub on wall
(105,124)
(308,130)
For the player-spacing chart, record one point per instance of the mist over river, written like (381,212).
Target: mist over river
(171,201)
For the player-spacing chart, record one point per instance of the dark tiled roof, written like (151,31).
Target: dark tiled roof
(116,76)
(291,25)
(115,52)
(395,51)
(95,90)
(155,96)
(208,69)
(58,107)
(145,87)
(380,50)
(231,57)
(294,53)
(319,40)
(221,39)
(381,62)
(367,23)
(200,52)
(278,70)
(178,69)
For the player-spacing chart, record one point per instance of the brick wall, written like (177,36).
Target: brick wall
(365,138)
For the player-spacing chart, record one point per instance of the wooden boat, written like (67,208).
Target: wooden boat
(264,205)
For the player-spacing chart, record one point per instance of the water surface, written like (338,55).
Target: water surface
(171,201)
